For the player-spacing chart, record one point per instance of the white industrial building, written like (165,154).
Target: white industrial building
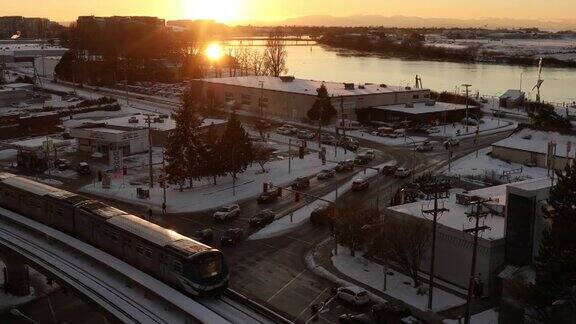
(290,98)
(105,139)
(514,221)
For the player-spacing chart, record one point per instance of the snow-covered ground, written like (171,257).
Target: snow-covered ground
(489,316)
(8,154)
(205,195)
(302,215)
(400,141)
(484,165)
(398,285)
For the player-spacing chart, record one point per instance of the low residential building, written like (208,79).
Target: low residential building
(512,99)
(512,212)
(530,147)
(290,98)
(429,112)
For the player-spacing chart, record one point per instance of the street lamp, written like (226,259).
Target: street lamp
(413,156)
(467,86)
(17,313)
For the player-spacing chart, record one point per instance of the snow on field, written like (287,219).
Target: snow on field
(205,195)
(490,125)
(400,141)
(398,285)
(484,165)
(302,215)
(489,316)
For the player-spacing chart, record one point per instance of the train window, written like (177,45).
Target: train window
(177,266)
(210,266)
(139,249)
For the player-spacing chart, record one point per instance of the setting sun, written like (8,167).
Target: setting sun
(214,51)
(219,10)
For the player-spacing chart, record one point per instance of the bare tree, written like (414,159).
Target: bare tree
(242,54)
(351,220)
(275,53)
(262,153)
(403,241)
(257,62)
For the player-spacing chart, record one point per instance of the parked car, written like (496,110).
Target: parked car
(231,237)
(300,183)
(283,131)
(328,139)
(321,215)
(269,196)
(360,184)
(344,166)
(291,128)
(354,295)
(62,164)
(426,146)
(349,143)
(433,130)
(83,168)
(305,135)
(263,218)
(326,174)
(204,235)
(357,319)
(370,154)
(226,213)
(402,173)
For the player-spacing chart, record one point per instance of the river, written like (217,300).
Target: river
(322,63)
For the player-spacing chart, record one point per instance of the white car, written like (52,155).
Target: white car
(402,173)
(227,212)
(451,142)
(354,295)
(433,130)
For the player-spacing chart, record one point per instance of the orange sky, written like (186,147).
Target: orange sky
(234,11)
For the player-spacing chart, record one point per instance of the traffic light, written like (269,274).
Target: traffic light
(301,152)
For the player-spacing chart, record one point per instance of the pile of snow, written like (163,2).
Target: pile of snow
(398,285)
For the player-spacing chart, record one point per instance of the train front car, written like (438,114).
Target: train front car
(204,269)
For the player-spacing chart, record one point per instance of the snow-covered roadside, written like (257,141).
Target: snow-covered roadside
(398,285)
(302,215)
(484,165)
(489,126)
(8,154)
(205,195)
(489,316)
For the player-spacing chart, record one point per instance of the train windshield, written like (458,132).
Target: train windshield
(209,265)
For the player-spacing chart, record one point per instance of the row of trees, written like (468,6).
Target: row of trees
(192,154)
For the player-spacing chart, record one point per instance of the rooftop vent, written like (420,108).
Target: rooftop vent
(361,87)
(382,85)
(349,86)
(287,78)
(408,88)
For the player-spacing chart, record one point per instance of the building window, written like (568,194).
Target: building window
(246,100)
(148,253)
(415,96)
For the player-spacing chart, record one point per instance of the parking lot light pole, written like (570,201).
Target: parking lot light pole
(413,156)
(289,155)
(467,86)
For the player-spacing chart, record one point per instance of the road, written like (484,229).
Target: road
(273,271)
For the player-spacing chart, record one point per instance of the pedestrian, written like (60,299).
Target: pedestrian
(149,214)
(164,208)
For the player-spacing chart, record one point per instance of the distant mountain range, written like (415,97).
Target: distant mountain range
(404,21)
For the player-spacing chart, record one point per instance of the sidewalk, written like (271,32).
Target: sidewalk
(319,260)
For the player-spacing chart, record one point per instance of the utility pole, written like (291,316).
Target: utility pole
(148,119)
(435,188)
(476,213)
(165,181)
(467,86)
(126,83)
(289,155)
(261,97)
(342,118)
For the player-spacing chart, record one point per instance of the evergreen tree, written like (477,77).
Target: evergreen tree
(322,109)
(555,269)
(236,147)
(212,158)
(184,146)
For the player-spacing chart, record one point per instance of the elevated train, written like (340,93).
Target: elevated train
(177,260)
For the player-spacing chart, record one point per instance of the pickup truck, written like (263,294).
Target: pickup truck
(264,218)
(344,166)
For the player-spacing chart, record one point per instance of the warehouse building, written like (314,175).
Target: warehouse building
(290,98)
(512,235)
(101,140)
(512,99)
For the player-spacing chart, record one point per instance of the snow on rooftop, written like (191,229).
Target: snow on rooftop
(154,233)
(106,130)
(38,143)
(167,125)
(30,186)
(456,217)
(307,87)
(537,141)
(422,108)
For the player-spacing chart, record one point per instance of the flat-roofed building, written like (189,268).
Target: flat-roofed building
(290,98)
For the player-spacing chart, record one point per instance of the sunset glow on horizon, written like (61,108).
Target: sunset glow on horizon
(248,11)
